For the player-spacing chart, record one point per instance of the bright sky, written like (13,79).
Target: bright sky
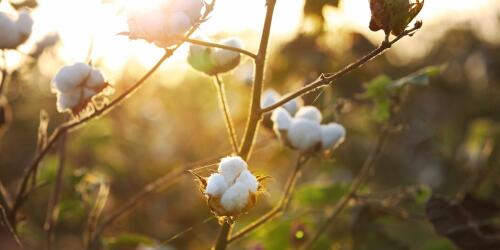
(79,22)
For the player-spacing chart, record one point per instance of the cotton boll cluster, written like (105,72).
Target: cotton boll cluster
(15,30)
(304,131)
(215,61)
(162,22)
(233,189)
(270,97)
(75,86)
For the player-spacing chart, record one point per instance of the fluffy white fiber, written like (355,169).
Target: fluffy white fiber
(233,184)
(332,135)
(75,85)
(223,57)
(304,131)
(214,61)
(304,134)
(15,30)
(271,96)
(162,22)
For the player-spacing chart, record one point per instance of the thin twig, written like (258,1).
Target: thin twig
(327,79)
(95,213)
(6,219)
(187,230)
(52,210)
(356,184)
(280,207)
(221,46)
(227,115)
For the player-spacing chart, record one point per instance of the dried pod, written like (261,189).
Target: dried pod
(393,16)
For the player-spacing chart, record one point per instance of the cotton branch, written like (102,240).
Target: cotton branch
(221,46)
(227,115)
(327,79)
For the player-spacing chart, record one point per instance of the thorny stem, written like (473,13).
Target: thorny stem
(327,79)
(221,46)
(356,184)
(227,115)
(280,207)
(255,113)
(52,211)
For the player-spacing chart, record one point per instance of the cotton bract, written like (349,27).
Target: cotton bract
(233,189)
(215,61)
(304,132)
(75,86)
(162,22)
(14,30)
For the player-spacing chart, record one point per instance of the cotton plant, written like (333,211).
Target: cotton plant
(304,131)
(213,61)
(270,97)
(163,22)
(233,189)
(15,29)
(76,85)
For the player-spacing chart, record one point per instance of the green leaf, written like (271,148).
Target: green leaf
(127,240)
(320,194)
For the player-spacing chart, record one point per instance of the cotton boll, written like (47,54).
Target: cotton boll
(281,120)
(178,24)
(68,100)
(8,29)
(192,8)
(304,134)
(87,93)
(248,179)
(235,198)
(231,167)
(216,185)
(24,24)
(332,135)
(199,57)
(269,97)
(292,106)
(226,60)
(309,113)
(95,80)
(69,77)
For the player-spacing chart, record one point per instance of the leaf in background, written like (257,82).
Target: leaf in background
(419,78)
(459,222)
(320,194)
(378,91)
(127,241)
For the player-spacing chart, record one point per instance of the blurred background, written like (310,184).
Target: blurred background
(447,140)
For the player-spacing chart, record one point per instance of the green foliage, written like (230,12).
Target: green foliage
(127,240)
(320,194)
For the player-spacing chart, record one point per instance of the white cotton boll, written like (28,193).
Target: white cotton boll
(178,23)
(69,77)
(24,23)
(68,100)
(231,167)
(269,97)
(8,31)
(88,93)
(292,106)
(309,113)
(227,59)
(153,25)
(248,179)
(304,134)
(235,198)
(95,80)
(192,8)
(281,120)
(216,185)
(332,135)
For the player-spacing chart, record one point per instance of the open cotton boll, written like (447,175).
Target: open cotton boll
(199,57)
(332,135)
(226,60)
(309,113)
(95,80)
(292,106)
(216,185)
(8,29)
(231,167)
(304,134)
(24,24)
(178,23)
(69,77)
(68,100)
(88,93)
(235,198)
(269,97)
(248,179)
(192,8)
(281,120)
